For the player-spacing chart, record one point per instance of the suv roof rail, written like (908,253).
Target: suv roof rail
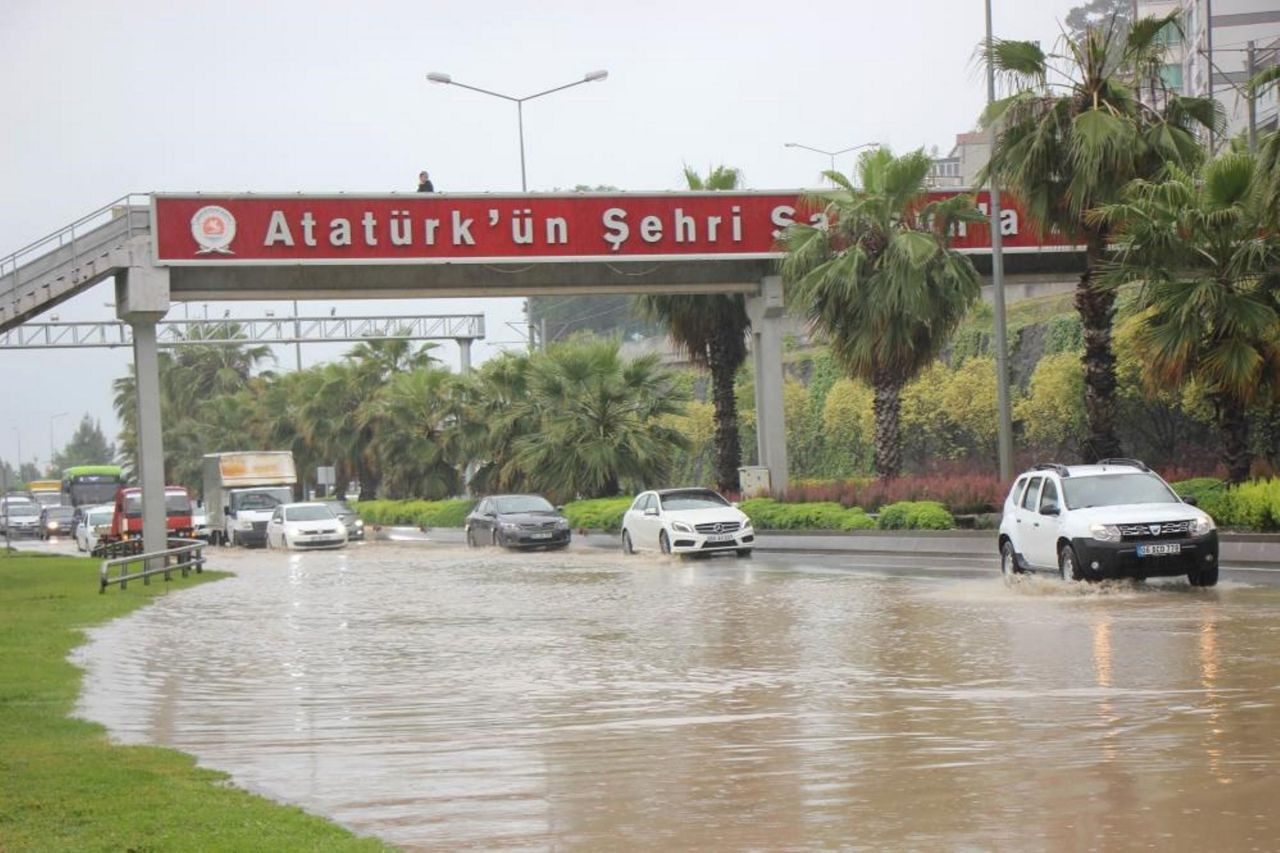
(1121,460)
(1057,468)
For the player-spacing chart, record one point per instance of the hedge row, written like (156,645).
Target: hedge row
(606,514)
(1249,506)
(450,513)
(768,514)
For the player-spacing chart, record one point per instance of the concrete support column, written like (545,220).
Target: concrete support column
(464,355)
(766,311)
(142,299)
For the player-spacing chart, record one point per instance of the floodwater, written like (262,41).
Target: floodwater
(446,699)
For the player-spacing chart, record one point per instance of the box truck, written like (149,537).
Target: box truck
(242,490)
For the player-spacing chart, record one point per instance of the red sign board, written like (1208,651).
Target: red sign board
(429,228)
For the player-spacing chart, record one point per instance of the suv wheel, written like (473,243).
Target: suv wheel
(1204,577)
(1068,565)
(1009,560)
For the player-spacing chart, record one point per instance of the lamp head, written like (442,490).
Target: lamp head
(595,75)
(437,77)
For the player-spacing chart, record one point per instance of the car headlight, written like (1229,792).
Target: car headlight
(562,524)
(53,525)
(509,525)
(1201,526)
(360,523)
(681,527)
(1105,532)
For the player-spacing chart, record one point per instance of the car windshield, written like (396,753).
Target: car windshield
(261,500)
(1116,489)
(23,509)
(175,503)
(693,500)
(307,513)
(101,517)
(522,503)
(343,507)
(59,513)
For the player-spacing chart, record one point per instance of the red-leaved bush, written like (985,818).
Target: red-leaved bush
(960,493)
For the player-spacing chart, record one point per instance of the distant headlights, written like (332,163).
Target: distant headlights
(1202,526)
(1105,532)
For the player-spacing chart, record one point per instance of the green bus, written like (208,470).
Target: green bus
(86,485)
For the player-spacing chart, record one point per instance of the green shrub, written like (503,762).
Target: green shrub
(597,514)
(768,514)
(1210,494)
(915,515)
(447,513)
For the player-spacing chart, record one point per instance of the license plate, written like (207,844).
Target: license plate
(1159,550)
(720,537)
(540,536)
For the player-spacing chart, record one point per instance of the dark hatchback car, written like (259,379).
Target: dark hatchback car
(517,521)
(354,524)
(57,521)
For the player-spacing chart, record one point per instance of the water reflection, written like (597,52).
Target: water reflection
(460,699)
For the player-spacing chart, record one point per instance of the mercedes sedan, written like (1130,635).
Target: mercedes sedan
(686,521)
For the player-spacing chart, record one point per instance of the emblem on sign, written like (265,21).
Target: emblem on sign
(213,228)
(1154,528)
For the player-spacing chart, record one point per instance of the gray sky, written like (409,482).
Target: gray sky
(107,97)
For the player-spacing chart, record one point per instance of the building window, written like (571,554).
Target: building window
(1172,77)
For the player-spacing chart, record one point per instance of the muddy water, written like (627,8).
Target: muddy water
(446,699)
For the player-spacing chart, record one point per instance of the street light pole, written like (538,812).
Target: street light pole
(53,418)
(445,79)
(1004,425)
(831,154)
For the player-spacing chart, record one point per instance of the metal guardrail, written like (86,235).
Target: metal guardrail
(67,235)
(182,555)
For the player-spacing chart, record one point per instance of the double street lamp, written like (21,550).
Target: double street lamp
(593,77)
(832,154)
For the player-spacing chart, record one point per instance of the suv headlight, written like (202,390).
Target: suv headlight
(1105,532)
(1202,526)
(681,527)
(509,525)
(562,524)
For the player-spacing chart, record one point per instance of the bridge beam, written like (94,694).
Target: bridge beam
(142,299)
(766,311)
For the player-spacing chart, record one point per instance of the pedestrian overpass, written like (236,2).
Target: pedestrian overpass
(162,248)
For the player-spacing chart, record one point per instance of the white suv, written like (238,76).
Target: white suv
(1116,519)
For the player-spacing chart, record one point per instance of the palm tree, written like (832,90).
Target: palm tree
(416,439)
(599,421)
(1209,272)
(712,329)
(494,418)
(881,281)
(1080,124)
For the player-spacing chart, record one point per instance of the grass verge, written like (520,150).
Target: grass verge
(63,785)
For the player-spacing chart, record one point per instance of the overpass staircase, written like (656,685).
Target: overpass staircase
(67,262)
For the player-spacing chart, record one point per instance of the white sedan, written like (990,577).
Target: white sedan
(305,525)
(94,521)
(686,521)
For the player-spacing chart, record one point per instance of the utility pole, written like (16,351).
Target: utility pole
(297,337)
(1251,66)
(1004,425)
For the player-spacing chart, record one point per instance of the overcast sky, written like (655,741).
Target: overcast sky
(106,97)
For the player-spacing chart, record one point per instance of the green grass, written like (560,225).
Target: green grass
(63,785)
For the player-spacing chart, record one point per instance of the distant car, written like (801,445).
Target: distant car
(354,523)
(20,518)
(95,522)
(517,521)
(1115,519)
(686,521)
(305,525)
(56,521)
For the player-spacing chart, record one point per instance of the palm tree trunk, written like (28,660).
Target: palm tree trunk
(886,406)
(1096,305)
(728,445)
(1236,455)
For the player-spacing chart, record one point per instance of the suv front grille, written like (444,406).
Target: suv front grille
(718,527)
(1156,530)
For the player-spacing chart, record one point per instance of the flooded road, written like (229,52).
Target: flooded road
(446,699)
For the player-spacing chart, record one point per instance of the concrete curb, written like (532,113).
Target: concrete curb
(1237,549)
